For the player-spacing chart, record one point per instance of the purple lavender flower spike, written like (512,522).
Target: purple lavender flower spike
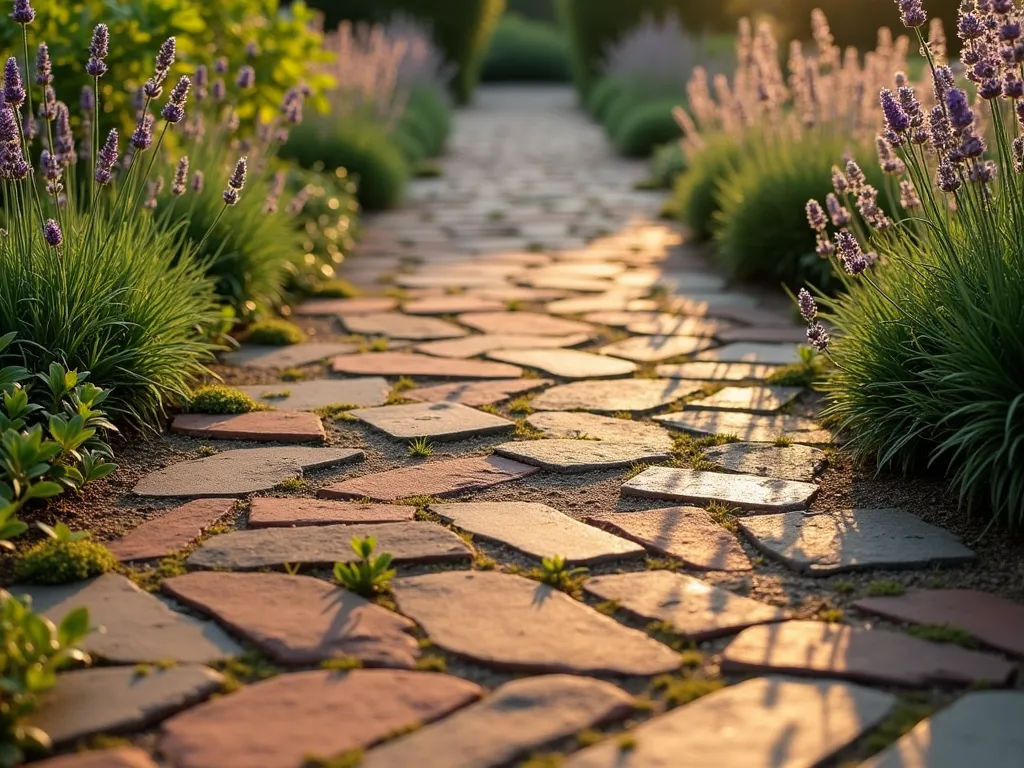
(908,196)
(969,27)
(1017,151)
(252,49)
(947,177)
(237,180)
(990,89)
(855,176)
(839,182)
(106,158)
(99,49)
(839,215)
(23,13)
(197,181)
(231,196)
(88,100)
(48,107)
(896,120)
(52,234)
(1002,7)
(64,142)
(808,308)
(44,69)
(14,91)
(152,89)
(246,77)
(818,337)
(142,136)
(850,253)
(1013,86)
(973,146)
(960,114)
(816,216)
(982,171)
(8,125)
(30,127)
(50,165)
(943,83)
(889,161)
(180,177)
(165,57)
(201,80)
(220,66)
(824,246)
(219,90)
(174,111)
(911,13)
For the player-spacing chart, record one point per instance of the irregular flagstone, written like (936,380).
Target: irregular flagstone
(411,364)
(751,352)
(506,293)
(772,334)
(412,542)
(748,427)
(879,656)
(298,619)
(654,349)
(694,609)
(120,757)
(692,282)
(617,300)
(852,540)
(452,305)
(440,421)
(768,721)
(511,623)
(133,626)
(311,395)
(516,719)
(471,346)
(236,473)
(171,531)
(435,478)
(708,302)
(622,318)
(357,306)
(566,363)
(396,325)
(603,269)
(580,284)
(525,323)
(119,699)
(280,722)
(981,728)
(747,492)
(589,426)
(293,511)
(711,371)
(575,456)
(663,324)
(536,530)
(267,426)
(632,395)
(791,462)
(764,400)
(251,356)
(993,620)
(476,393)
(689,533)
(453,279)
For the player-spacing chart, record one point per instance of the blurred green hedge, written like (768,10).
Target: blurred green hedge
(525,50)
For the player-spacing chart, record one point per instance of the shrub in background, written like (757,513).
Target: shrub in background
(696,191)
(667,162)
(326,213)
(603,95)
(525,50)
(645,127)
(538,10)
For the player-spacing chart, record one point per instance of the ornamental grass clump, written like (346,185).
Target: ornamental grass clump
(927,335)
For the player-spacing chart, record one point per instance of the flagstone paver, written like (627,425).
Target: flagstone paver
(654,349)
(566,363)
(439,421)
(575,456)
(119,699)
(748,427)
(411,542)
(620,318)
(170,532)
(511,623)
(751,352)
(590,426)
(630,395)
(396,325)
(852,540)
(768,721)
(479,344)
(446,280)
(251,356)
(881,656)
(693,282)
(711,371)
(617,300)
(748,492)
(776,334)
(525,323)
(791,462)
(119,757)
(356,306)
(293,511)
(242,471)
(476,393)
(451,305)
(279,723)
(688,533)
(264,426)
(298,619)
(537,530)
(580,284)
(311,395)
(661,324)
(519,717)
(506,293)
(412,364)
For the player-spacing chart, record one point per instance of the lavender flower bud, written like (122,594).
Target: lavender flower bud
(8,125)
(231,196)
(973,146)
(816,216)
(201,81)
(142,136)
(850,253)
(896,120)
(106,158)
(48,106)
(220,66)
(855,176)
(824,246)
(943,83)
(818,337)
(252,49)
(50,165)
(246,77)
(969,27)
(180,177)
(99,49)
(990,89)
(30,127)
(960,114)
(23,13)
(219,90)
(87,102)
(887,159)
(947,177)
(44,69)
(839,215)
(197,181)
(64,143)
(1013,86)
(152,89)
(908,196)
(911,13)
(174,111)
(839,182)
(14,92)
(52,234)
(808,308)
(1017,151)
(237,180)
(165,57)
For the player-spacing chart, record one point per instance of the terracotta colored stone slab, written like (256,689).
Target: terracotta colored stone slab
(878,656)
(356,306)
(298,619)
(236,473)
(268,426)
(411,364)
(119,699)
(600,269)
(452,305)
(525,323)
(617,300)
(511,623)
(536,530)
(479,344)
(518,718)
(853,540)
(576,425)
(695,610)
(286,512)
(778,334)
(688,533)
(443,479)
(449,280)
(280,722)
(505,293)
(250,356)
(476,393)
(171,531)
(133,626)
(768,722)
(764,400)
(663,324)
(710,371)
(310,395)
(632,395)
(575,456)
(748,427)
(654,349)
(993,620)
(749,352)
(621,318)
(121,757)
(566,363)
(747,492)
(413,542)
(791,462)
(396,325)
(438,421)
(982,728)
(566,283)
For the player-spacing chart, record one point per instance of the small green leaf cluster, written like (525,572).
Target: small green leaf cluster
(64,556)
(369,574)
(555,572)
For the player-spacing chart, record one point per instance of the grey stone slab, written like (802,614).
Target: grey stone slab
(798,724)
(748,492)
(710,371)
(311,395)
(631,395)
(664,324)
(854,539)
(574,456)
(240,472)
(451,305)
(472,346)
(791,462)
(566,363)
(524,323)
(654,349)
(761,400)
(692,282)
(439,421)
(252,356)
(413,542)
(747,427)
(396,325)
(537,530)
(694,609)
(772,334)
(476,393)
(590,426)
(412,364)
(752,352)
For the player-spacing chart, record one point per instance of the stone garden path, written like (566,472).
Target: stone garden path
(554,342)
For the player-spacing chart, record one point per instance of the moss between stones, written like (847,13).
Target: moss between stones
(220,399)
(274,333)
(58,562)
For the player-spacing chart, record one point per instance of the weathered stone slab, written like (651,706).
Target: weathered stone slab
(797,724)
(763,400)
(411,364)
(791,462)
(518,718)
(694,609)
(279,723)
(574,456)
(439,421)
(266,426)
(396,325)
(525,323)
(236,473)
(750,352)
(993,620)
(710,371)
(251,356)
(511,623)
(452,305)
(471,346)
(566,363)
(654,349)
(692,282)
(663,324)
(566,282)
(133,626)
(852,540)
(590,426)
(601,269)
(537,530)
(982,728)
(357,306)
(506,293)
(298,619)
(747,492)
(119,757)
(688,533)
(778,334)
(119,699)
(748,427)
(413,542)
(476,393)
(310,395)
(447,280)
(632,395)
(878,656)
(171,531)
(292,511)
(617,300)
(622,318)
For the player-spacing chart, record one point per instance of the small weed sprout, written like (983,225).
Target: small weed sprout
(369,574)
(420,448)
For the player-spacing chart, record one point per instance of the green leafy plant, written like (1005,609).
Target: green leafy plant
(420,448)
(370,573)
(555,572)
(647,125)
(696,191)
(667,163)
(274,332)
(216,398)
(64,556)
